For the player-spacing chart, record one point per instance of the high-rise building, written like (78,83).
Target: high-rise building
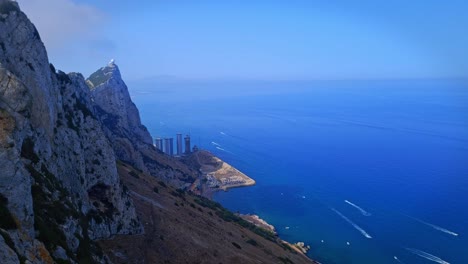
(167,146)
(179,144)
(158,143)
(187,144)
(171,146)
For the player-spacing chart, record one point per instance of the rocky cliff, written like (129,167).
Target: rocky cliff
(131,140)
(79,173)
(59,187)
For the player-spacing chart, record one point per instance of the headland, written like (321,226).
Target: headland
(215,174)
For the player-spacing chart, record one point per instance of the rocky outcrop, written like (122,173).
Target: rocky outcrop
(111,94)
(59,173)
(131,140)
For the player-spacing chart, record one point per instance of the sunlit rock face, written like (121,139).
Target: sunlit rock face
(58,179)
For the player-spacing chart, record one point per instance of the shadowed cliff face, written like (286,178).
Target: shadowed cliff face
(59,176)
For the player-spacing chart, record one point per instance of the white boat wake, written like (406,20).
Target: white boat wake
(358,228)
(215,144)
(397,259)
(438,228)
(224,150)
(363,212)
(427,255)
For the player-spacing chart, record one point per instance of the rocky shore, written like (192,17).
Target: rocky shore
(299,247)
(256,220)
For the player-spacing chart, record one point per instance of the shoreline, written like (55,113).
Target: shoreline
(299,247)
(217,175)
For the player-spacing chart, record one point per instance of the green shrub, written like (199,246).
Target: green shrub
(285,260)
(208,203)
(176,194)
(252,242)
(236,245)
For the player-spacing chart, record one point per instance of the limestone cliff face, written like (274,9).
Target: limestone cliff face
(59,187)
(111,94)
(131,140)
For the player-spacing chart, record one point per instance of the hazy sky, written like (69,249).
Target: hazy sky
(257,39)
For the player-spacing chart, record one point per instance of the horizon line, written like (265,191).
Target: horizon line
(173,78)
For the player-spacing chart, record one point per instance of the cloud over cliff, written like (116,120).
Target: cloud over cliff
(63,21)
(73,32)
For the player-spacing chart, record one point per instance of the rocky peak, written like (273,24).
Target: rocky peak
(110,94)
(104,74)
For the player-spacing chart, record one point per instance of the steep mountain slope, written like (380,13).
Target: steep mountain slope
(61,188)
(183,228)
(59,181)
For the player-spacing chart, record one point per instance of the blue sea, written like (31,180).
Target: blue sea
(362,171)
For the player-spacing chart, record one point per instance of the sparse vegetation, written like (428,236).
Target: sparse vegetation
(70,123)
(83,108)
(228,216)
(285,260)
(286,247)
(236,245)
(50,213)
(208,203)
(134,174)
(177,194)
(162,184)
(99,77)
(252,242)
(87,247)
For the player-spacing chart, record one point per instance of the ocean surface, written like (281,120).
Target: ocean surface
(362,171)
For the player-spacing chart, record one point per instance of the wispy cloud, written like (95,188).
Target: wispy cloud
(74,33)
(61,22)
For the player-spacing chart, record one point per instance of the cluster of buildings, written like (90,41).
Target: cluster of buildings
(166,145)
